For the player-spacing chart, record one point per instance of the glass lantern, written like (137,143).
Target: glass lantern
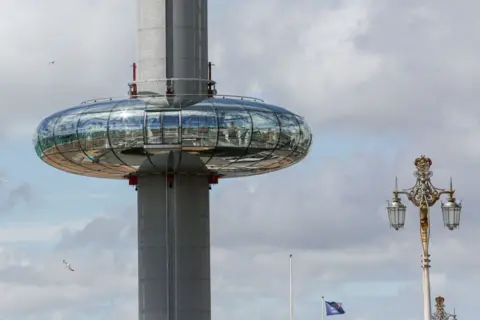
(451,213)
(396,213)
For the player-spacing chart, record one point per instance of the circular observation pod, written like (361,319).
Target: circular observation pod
(113,138)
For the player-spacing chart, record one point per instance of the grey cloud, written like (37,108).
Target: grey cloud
(12,197)
(325,208)
(102,232)
(350,243)
(407,73)
(43,285)
(22,275)
(394,77)
(250,275)
(92,50)
(420,94)
(22,193)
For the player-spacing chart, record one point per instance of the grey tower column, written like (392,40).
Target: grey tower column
(173,220)
(173,248)
(172,43)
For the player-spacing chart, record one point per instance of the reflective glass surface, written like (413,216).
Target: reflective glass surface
(234,133)
(200,131)
(233,137)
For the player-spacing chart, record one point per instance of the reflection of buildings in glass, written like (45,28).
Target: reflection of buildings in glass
(199,129)
(229,140)
(153,130)
(233,134)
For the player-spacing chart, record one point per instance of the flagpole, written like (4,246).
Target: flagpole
(291,290)
(323,308)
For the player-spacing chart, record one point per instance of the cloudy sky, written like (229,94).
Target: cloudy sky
(380,82)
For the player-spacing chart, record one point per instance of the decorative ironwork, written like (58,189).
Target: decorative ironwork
(440,313)
(424,195)
(423,192)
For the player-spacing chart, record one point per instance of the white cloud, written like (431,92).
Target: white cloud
(400,77)
(28,232)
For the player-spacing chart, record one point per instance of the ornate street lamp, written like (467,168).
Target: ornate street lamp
(424,195)
(440,313)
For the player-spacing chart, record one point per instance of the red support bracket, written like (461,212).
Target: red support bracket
(213,179)
(132,180)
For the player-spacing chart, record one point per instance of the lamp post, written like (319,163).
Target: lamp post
(440,313)
(424,195)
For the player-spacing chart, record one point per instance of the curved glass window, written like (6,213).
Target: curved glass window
(75,109)
(126,129)
(276,109)
(162,127)
(266,130)
(234,133)
(126,133)
(250,105)
(234,124)
(91,128)
(94,152)
(74,148)
(233,137)
(92,131)
(153,128)
(51,152)
(36,143)
(66,131)
(288,141)
(304,140)
(191,128)
(45,135)
(234,128)
(290,132)
(171,127)
(200,131)
(199,128)
(93,141)
(305,136)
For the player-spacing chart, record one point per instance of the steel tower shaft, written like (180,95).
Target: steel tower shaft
(173,209)
(172,46)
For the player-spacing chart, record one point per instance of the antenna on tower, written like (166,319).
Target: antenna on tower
(211,84)
(133,85)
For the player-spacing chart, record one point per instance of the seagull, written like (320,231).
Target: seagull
(68,266)
(52,62)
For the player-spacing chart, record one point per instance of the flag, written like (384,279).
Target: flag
(334,308)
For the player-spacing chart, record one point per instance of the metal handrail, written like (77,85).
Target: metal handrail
(140,95)
(172,80)
(224,96)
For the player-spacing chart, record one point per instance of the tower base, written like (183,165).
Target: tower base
(174,247)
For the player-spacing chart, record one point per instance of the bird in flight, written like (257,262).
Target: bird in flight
(68,266)
(51,62)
